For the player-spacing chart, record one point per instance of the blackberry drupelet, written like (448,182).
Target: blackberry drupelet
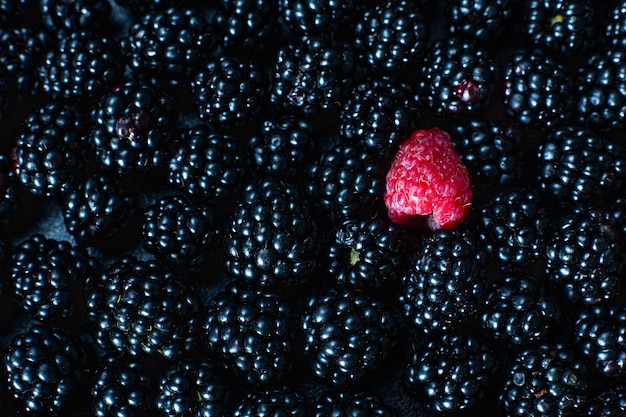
(284,401)
(348,334)
(564,27)
(284,146)
(548,380)
(579,165)
(179,233)
(347,181)
(247,27)
(600,333)
(379,114)
(81,67)
(51,153)
(167,46)
(45,370)
(537,89)
(346,403)
(98,210)
(272,238)
(194,388)
(207,165)
(520,310)
(121,387)
(390,36)
(602,90)
(21,51)
(585,256)
(133,128)
(252,333)
(491,150)
(312,74)
(450,371)
(368,253)
(445,282)
(483,20)
(314,17)
(49,275)
(60,15)
(141,308)
(514,226)
(229,91)
(459,76)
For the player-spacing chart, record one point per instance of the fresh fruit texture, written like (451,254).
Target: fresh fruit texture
(428,184)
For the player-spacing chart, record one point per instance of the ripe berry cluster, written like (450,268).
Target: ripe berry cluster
(249,208)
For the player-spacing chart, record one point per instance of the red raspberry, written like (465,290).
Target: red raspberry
(428,183)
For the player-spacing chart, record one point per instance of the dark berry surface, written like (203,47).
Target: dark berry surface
(193,214)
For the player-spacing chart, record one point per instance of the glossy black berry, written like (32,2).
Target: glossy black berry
(277,401)
(143,309)
(345,403)
(348,334)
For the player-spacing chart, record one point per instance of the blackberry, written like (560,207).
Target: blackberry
(458,76)
(229,91)
(49,275)
(247,27)
(284,146)
(368,253)
(59,15)
(133,129)
(600,334)
(565,27)
(45,370)
(344,403)
(21,51)
(492,151)
(579,165)
(314,17)
(166,46)
(141,308)
(379,114)
(548,380)
(348,335)
(272,237)
(278,401)
(514,226)
(520,310)
(194,389)
(391,36)
(445,282)
(347,181)
(451,371)
(140,8)
(82,66)
(312,74)
(602,90)
(252,334)
(610,402)
(537,89)
(483,20)
(50,153)
(207,165)
(121,387)
(97,210)
(585,256)
(179,233)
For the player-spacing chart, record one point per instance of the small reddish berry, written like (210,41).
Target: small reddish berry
(428,185)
